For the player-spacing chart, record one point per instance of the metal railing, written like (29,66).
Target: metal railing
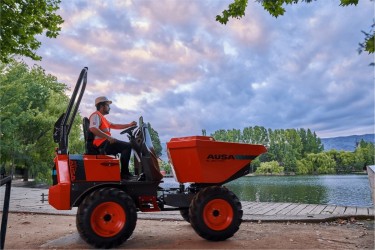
(4,221)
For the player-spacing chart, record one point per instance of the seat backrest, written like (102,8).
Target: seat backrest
(89,138)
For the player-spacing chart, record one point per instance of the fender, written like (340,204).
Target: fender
(59,195)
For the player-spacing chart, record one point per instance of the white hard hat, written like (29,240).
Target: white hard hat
(102,99)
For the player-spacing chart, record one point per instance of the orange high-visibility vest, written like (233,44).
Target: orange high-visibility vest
(104,126)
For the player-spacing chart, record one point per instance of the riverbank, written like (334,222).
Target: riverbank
(293,174)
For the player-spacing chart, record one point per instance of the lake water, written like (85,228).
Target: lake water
(342,190)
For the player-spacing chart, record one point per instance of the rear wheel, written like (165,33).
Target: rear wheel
(106,218)
(215,213)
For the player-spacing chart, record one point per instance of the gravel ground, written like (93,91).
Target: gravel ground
(39,231)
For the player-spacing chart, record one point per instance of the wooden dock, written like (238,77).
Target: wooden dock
(29,200)
(279,212)
(270,211)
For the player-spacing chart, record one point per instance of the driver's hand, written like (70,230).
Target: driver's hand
(133,123)
(111,140)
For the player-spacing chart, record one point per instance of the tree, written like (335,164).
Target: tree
(311,143)
(284,146)
(320,163)
(220,135)
(255,164)
(364,155)
(21,21)
(305,166)
(275,8)
(155,141)
(166,167)
(255,135)
(276,149)
(271,167)
(30,104)
(204,132)
(368,43)
(344,160)
(234,135)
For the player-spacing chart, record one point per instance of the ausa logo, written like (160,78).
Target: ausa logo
(223,157)
(219,157)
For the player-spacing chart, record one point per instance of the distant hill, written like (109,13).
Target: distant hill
(346,143)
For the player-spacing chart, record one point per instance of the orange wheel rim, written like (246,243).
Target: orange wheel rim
(218,214)
(108,219)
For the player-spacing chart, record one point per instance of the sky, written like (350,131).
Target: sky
(172,63)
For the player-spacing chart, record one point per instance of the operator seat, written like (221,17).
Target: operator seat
(90,148)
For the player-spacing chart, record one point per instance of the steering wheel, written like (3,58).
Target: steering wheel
(128,130)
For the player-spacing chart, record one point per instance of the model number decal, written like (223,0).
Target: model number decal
(73,169)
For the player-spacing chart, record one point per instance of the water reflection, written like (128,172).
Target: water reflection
(345,190)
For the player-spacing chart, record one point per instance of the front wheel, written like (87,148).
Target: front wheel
(185,214)
(106,218)
(215,213)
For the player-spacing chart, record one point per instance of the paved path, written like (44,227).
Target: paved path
(29,200)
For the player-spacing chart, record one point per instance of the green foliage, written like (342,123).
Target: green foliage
(255,135)
(275,8)
(131,164)
(368,43)
(235,10)
(271,167)
(30,104)
(344,160)
(311,142)
(299,151)
(155,141)
(364,155)
(166,167)
(304,167)
(335,161)
(348,2)
(320,163)
(284,146)
(255,164)
(21,21)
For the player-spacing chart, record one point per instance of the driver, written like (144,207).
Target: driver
(101,128)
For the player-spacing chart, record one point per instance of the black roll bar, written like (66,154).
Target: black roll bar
(71,111)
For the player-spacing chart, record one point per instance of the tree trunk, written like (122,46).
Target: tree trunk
(25,174)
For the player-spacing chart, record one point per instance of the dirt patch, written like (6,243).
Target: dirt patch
(31,231)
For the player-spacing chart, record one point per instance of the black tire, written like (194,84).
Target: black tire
(185,214)
(106,218)
(215,213)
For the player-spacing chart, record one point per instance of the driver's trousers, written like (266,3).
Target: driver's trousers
(119,147)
